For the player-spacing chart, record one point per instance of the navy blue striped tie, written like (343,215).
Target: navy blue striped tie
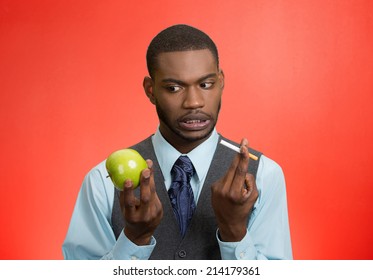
(180,192)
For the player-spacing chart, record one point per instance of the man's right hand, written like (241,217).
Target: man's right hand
(142,215)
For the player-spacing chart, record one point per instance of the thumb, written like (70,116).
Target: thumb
(249,186)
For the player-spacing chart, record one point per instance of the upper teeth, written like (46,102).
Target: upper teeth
(193,121)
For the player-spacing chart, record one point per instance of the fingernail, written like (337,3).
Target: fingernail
(245,142)
(127,183)
(146,173)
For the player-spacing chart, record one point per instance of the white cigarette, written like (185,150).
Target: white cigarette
(236,149)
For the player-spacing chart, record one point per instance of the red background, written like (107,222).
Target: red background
(298,85)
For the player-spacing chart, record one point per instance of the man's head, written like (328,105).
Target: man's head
(185,85)
(178,38)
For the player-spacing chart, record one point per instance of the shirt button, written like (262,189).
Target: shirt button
(182,254)
(134,258)
(242,255)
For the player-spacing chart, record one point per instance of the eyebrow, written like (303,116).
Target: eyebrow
(182,83)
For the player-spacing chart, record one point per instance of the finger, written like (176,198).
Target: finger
(151,179)
(254,189)
(145,192)
(249,186)
(127,197)
(242,168)
(251,194)
(228,178)
(230,175)
(152,185)
(149,162)
(145,183)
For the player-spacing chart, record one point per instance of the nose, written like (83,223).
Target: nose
(193,98)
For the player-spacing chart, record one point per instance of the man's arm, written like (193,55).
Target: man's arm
(90,235)
(266,235)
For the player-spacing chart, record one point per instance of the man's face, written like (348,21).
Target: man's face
(186,90)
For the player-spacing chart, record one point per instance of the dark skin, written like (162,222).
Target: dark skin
(142,215)
(233,197)
(186,90)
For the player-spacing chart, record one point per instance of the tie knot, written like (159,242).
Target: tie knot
(183,169)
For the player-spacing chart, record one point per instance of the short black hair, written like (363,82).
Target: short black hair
(175,38)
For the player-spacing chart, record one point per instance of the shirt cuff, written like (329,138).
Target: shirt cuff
(125,249)
(242,250)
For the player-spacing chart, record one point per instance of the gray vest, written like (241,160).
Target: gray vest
(200,239)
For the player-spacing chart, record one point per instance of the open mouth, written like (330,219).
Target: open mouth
(194,124)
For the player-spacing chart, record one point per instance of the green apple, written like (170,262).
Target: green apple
(125,164)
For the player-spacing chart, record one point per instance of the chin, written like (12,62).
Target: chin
(194,136)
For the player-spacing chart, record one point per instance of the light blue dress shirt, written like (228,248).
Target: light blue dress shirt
(90,235)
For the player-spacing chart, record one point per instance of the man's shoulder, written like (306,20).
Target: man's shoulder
(97,172)
(270,173)
(145,143)
(270,164)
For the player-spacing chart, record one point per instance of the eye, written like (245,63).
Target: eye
(173,88)
(206,85)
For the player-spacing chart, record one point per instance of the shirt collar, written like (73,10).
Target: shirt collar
(201,156)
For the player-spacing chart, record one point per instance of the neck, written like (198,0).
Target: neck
(186,147)
(182,144)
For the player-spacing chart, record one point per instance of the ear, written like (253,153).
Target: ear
(221,79)
(148,88)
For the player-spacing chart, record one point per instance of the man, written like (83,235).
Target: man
(227,206)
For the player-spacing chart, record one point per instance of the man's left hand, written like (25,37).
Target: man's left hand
(233,197)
